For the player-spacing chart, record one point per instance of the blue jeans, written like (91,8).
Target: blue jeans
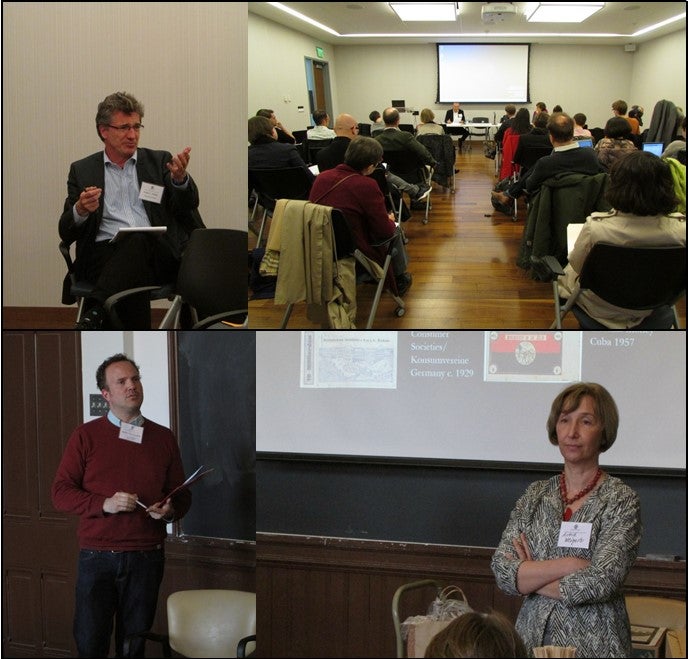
(115,584)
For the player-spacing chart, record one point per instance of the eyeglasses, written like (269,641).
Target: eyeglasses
(126,128)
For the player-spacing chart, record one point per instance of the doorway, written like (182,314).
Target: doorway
(318,85)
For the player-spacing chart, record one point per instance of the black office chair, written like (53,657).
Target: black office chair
(75,290)
(273,184)
(301,137)
(364,129)
(212,281)
(636,278)
(314,146)
(405,165)
(407,128)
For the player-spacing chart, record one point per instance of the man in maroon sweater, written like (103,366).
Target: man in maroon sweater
(115,474)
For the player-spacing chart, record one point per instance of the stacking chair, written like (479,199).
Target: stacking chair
(407,128)
(344,247)
(443,151)
(273,184)
(404,165)
(206,623)
(637,278)
(78,290)
(364,129)
(478,132)
(301,137)
(212,281)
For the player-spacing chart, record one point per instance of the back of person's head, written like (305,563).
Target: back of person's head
(580,119)
(476,634)
(557,108)
(617,128)
(363,152)
(427,115)
(374,116)
(320,117)
(510,109)
(636,112)
(263,112)
(390,116)
(117,102)
(541,106)
(560,127)
(541,120)
(521,123)
(620,107)
(344,125)
(641,184)
(258,127)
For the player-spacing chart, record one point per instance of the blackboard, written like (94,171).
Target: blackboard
(435,503)
(216,381)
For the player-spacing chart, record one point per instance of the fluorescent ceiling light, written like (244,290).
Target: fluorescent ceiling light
(561,12)
(303,17)
(425,11)
(668,21)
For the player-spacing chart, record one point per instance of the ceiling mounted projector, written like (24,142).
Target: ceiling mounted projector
(493,12)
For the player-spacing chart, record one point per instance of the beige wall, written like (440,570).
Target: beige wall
(364,78)
(186,62)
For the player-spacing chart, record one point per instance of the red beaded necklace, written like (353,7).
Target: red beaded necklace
(567,502)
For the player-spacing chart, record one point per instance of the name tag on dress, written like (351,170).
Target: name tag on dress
(151,192)
(131,433)
(575,534)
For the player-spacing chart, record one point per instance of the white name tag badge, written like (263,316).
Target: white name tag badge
(131,433)
(151,192)
(575,534)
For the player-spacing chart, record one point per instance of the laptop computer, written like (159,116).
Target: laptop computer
(585,142)
(654,147)
(399,105)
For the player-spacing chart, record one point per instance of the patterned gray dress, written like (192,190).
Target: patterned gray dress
(591,614)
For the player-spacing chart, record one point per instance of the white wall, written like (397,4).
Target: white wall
(186,62)
(364,78)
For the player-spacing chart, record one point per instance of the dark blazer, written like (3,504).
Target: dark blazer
(449,116)
(573,161)
(531,147)
(274,155)
(393,139)
(178,210)
(333,155)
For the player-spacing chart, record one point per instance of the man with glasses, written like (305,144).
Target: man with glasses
(125,186)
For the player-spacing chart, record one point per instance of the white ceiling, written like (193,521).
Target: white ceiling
(617,21)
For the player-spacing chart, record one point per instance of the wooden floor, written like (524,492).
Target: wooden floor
(463,264)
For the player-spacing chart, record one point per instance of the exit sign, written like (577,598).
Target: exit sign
(319,51)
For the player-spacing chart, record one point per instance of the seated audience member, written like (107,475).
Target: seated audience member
(567,157)
(519,126)
(537,138)
(556,108)
(475,634)
(320,131)
(641,192)
(393,139)
(636,112)
(283,135)
(505,122)
(453,119)
(427,125)
(540,106)
(349,188)
(376,119)
(619,109)
(265,152)
(616,143)
(346,128)
(673,149)
(579,129)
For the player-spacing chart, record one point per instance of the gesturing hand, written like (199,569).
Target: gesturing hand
(88,200)
(177,166)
